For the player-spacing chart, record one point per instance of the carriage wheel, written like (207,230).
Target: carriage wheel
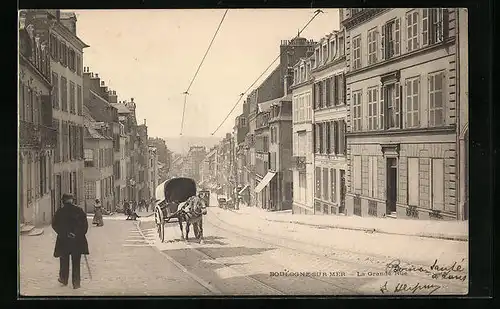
(160,223)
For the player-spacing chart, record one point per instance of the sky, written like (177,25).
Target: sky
(152,55)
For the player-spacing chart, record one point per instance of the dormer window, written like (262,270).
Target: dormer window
(333,49)
(302,73)
(317,57)
(308,70)
(324,53)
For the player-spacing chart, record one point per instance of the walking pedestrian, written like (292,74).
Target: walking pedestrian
(70,224)
(98,220)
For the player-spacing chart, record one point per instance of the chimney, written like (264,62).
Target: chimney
(95,82)
(103,91)
(113,98)
(131,99)
(144,121)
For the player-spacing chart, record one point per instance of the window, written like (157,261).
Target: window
(302,187)
(321,94)
(325,53)
(333,49)
(55,90)
(391,39)
(372,109)
(79,99)
(64,94)
(318,181)
(437,188)
(90,190)
(301,143)
(328,137)
(325,184)
(412,102)
(392,105)
(412,30)
(328,92)
(333,177)
(372,177)
(317,57)
(356,52)
(372,46)
(341,137)
(78,65)
(72,108)
(413,182)
(308,106)
(436,98)
(356,173)
(356,110)
(433,25)
(43,175)
(89,157)
(335,138)
(317,138)
(341,46)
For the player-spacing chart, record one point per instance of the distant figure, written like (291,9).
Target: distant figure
(98,221)
(70,224)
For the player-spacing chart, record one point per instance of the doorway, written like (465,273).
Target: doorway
(342,191)
(392,177)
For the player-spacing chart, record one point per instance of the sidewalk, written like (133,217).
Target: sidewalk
(120,216)
(449,230)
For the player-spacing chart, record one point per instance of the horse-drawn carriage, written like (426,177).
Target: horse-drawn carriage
(178,200)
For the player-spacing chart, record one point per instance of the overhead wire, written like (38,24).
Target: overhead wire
(186,93)
(316,13)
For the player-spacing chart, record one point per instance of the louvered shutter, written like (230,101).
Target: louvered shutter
(425,26)
(382,107)
(382,42)
(397,36)
(397,104)
(445,23)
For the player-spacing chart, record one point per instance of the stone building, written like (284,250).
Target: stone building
(302,130)
(37,137)
(270,98)
(402,112)
(67,101)
(153,171)
(98,173)
(101,120)
(329,121)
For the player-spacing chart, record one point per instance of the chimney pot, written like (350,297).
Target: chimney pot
(96,75)
(132,99)
(102,83)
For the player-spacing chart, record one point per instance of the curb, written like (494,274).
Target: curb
(368,230)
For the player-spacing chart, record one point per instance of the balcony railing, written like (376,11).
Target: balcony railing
(34,135)
(29,134)
(299,163)
(48,136)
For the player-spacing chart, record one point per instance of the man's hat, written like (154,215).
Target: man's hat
(67,196)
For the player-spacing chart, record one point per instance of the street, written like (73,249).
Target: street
(127,258)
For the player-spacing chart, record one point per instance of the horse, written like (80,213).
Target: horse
(191,213)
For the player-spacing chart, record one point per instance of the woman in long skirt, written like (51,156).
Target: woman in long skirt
(98,221)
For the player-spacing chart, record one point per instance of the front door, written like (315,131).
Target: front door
(391,185)
(58,192)
(342,191)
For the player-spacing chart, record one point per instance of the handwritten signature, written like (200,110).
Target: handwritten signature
(413,288)
(454,271)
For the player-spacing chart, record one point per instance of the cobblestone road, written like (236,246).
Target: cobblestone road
(128,259)
(122,263)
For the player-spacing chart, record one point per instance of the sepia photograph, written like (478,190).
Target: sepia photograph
(243,152)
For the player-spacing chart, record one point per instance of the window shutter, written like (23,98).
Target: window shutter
(425,26)
(397,36)
(417,19)
(397,101)
(328,92)
(382,107)
(406,31)
(335,137)
(445,23)
(382,42)
(418,100)
(341,86)
(323,93)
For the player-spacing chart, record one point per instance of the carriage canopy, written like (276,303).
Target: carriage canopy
(175,190)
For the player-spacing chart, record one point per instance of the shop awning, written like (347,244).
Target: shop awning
(265,181)
(244,188)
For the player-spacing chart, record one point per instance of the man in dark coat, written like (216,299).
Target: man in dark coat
(70,224)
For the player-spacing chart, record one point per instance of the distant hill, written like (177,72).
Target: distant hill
(181,144)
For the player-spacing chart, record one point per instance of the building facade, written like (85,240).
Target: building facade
(37,137)
(153,171)
(302,128)
(402,112)
(329,122)
(67,101)
(98,173)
